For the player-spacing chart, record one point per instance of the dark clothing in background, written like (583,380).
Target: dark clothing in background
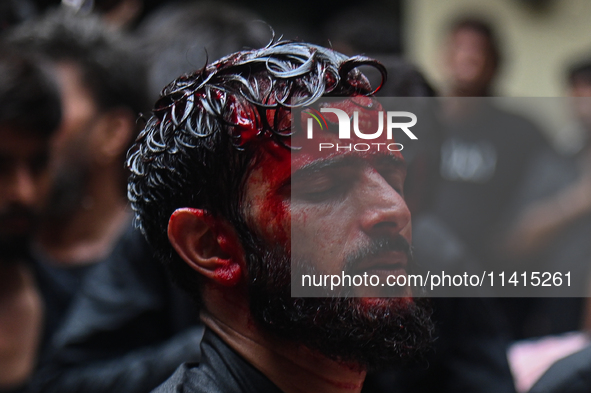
(221,370)
(568,251)
(58,286)
(19,389)
(569,375)
(127,331)
(469,354)
(488,160)
(484,159)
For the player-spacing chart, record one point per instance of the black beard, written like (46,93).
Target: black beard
(71,176)
(13,249)
(15,246)
(372,333)
(67,191)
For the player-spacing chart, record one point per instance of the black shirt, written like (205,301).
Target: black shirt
(58,286)
(484,159)
(127,330)
(221,370)
(568,375)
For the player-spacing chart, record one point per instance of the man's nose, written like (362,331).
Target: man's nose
(22,186)
(385,211)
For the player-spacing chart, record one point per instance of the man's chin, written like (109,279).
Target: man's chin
(373,333)
(386,301)
(383,292)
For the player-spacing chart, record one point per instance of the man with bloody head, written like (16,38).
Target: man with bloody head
(232,197)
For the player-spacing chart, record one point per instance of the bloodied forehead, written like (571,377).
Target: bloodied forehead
(278,170)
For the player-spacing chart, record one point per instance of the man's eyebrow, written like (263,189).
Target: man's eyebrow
(391,160)
(341,162)
(320,164)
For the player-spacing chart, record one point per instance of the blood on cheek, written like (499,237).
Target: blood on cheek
(268,208)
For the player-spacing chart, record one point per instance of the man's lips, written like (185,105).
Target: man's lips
(389,262)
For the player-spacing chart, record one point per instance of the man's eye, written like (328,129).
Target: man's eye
(396,183)
(321,195)
(319,189)
(395,179)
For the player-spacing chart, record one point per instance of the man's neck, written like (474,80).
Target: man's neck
(292,367)
(89,233)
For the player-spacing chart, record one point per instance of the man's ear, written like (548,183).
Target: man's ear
(208,245)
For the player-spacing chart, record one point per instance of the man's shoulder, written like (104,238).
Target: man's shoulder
(220,370)
(190,378)
(199,378)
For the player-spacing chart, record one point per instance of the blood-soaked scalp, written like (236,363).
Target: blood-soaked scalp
(207,127)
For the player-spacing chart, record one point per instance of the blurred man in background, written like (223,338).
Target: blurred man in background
(554,235)
(102,88)
(487,156)
(472,58)
(29,115)
(129,327)
(486,151)
(551,232)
